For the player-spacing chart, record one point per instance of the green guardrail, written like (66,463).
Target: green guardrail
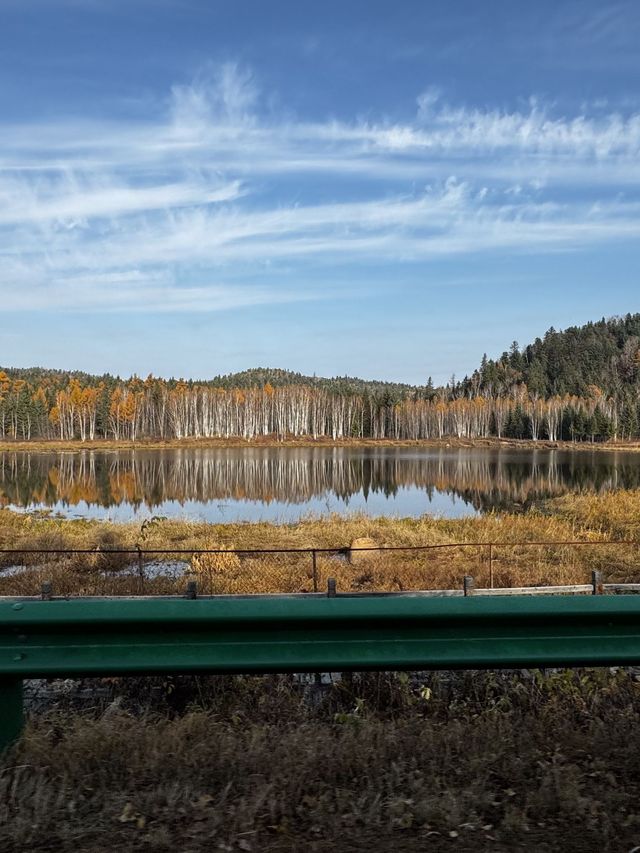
(303,633)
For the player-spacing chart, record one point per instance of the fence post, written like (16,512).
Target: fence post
(596,581)
(140,568)
(331,588)
(11,711)
(491,565)
(468,584)
(315,570)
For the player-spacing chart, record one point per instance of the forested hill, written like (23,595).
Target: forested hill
(56,378)
(257,377)
(604,354)
(261,376)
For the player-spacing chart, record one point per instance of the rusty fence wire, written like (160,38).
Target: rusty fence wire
(141,571)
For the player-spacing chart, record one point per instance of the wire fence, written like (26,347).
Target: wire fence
(148,571)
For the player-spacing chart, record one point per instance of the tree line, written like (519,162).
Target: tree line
(579,385)
(141,409)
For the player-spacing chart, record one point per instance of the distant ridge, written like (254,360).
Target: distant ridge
(603,354)
(261,376)
(253,378)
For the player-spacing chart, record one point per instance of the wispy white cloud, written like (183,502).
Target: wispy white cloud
(141,293)
(73,199)
(109,216)
(215,121)
(220,94)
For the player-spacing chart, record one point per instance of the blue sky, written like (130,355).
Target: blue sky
(191,187)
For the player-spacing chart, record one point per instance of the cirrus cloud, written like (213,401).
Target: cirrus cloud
(183,208)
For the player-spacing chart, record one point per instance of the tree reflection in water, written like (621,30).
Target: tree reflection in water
(483,479)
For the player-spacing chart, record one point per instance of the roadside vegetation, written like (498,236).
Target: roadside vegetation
(474,761)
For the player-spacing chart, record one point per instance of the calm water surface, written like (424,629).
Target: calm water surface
(284,484)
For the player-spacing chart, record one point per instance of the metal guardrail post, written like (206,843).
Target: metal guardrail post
(491,565)
(468,585)
(11,711)
(314,566)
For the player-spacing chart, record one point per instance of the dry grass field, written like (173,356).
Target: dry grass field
(605,519)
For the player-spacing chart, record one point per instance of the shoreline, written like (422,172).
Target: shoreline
(56,445)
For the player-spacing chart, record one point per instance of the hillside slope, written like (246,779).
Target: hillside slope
(605,354)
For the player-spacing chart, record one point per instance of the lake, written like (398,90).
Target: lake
(285,484)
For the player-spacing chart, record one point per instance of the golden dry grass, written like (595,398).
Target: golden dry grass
(585,518)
